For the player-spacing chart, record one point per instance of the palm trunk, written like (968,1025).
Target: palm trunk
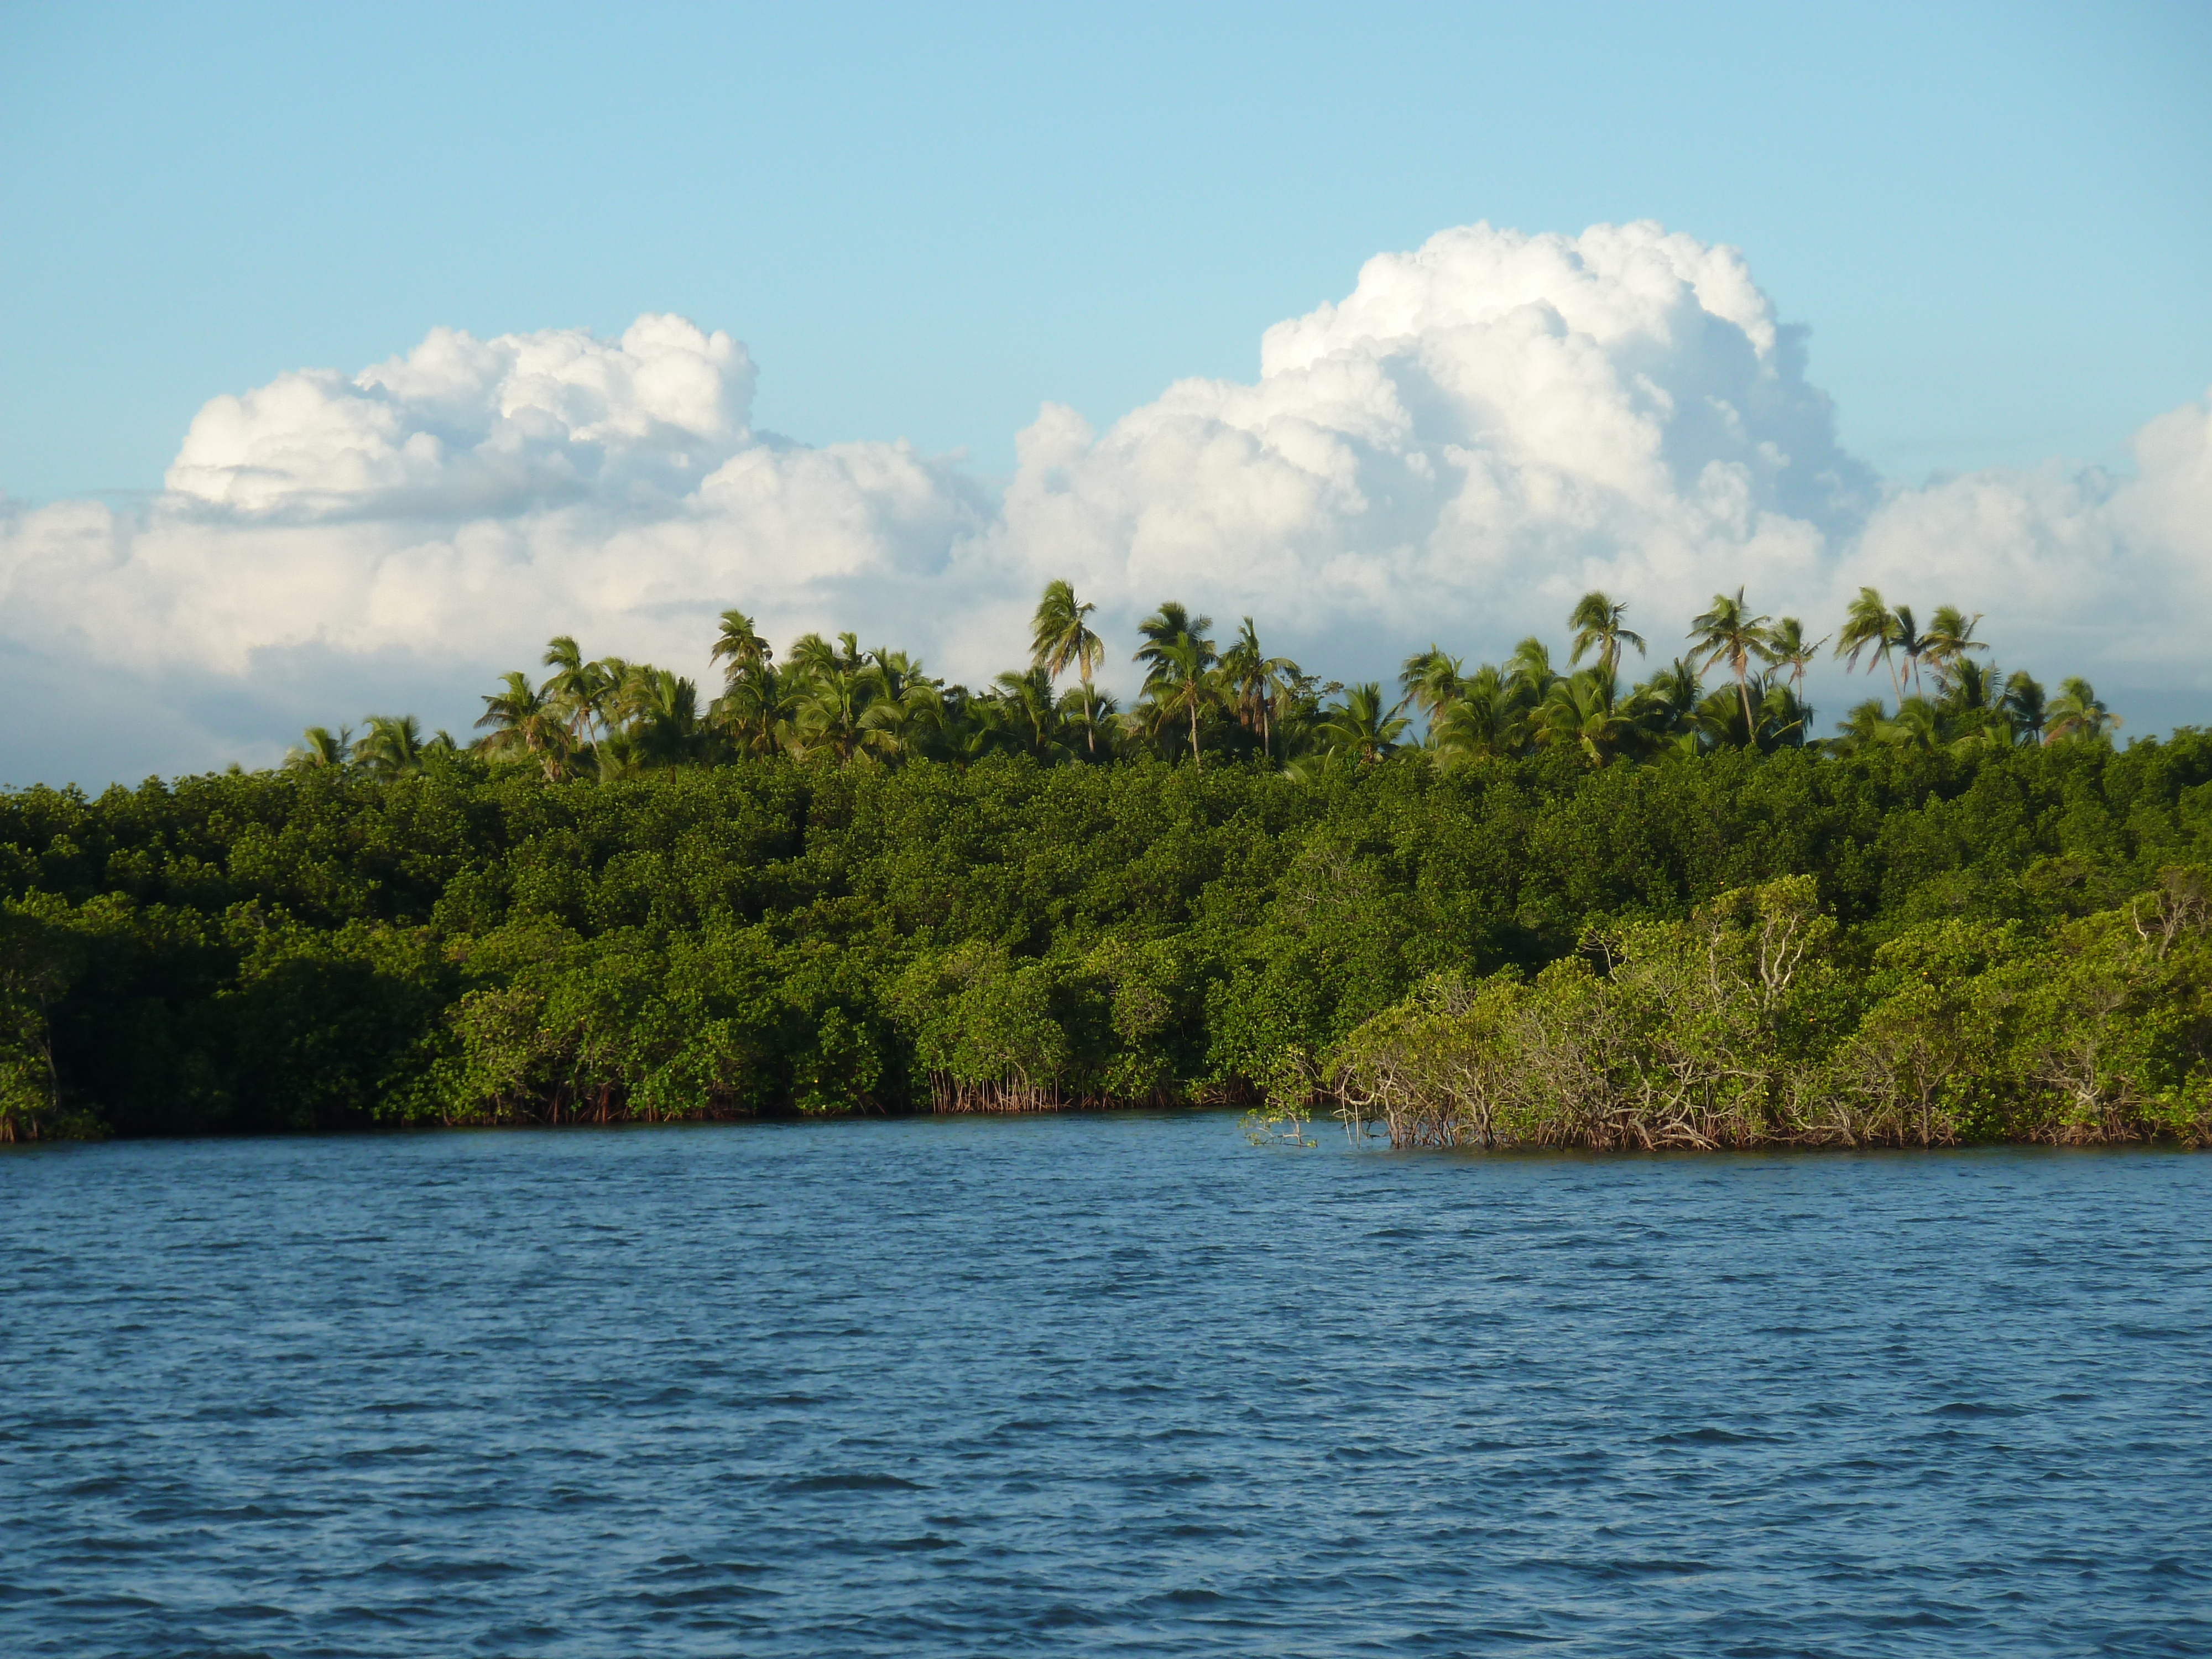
(1089,721)
(1197,764)
(1743,690)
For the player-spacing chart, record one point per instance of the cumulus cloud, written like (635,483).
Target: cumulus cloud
(461,427)
(1482,427)
(1480,430)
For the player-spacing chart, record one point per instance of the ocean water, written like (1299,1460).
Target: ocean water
(1097,1384)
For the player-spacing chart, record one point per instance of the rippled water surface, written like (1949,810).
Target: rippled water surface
(1093,1384)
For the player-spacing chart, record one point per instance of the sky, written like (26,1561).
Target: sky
(992,285)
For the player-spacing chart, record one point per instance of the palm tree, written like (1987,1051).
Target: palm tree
(740,646)
(1863,727)
(1529,671)
(1984,728)
(904,709)
(317,750)
(1430,682)
(1596,622)
(1911,645)
(1949,637)
(624,692)
(1481,720)
(2077,712)
(1917,726)
(1728,633)
(1665,707)
(577,690)
(1966,688)
(1094,714)
(1060,639)
(828,707)
(754,710)
(525,721)
(1179,656)
(1257,684)
(2023,702)
(1580,710)
(1026,702)
(812,654)
(665,729)
(1360,727)
(1786,648)
(1869,629)
(392,746)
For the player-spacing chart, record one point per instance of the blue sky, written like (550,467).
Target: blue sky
(925,221)
(1003,274)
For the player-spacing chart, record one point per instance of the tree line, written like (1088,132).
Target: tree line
(832,701)
(1888,940)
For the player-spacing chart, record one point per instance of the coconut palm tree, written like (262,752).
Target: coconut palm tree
(1581,711)
(2025,705)
(1596,622)
(1786,648)
(1096,715)
(812,654)
(830,691)
(317,750)
(1061,639)
(1032,715)
(665,729)
(1917,725)
(1861,728)
(1912,644)
(1869,629)
(2078,713)
(1360,727)
(576,690)
(1257,684)
(1179,659)
(523,722)
(1983,728)
(1482,719)
(740,647)
(904,711)
(1665,707)
(754,710)
(391,747)
(1967,689)
(1784,721)
(1949,637)
(1728,633)
(1430,680)
(1529,672)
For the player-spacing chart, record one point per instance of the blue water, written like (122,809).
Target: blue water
(1097,1384)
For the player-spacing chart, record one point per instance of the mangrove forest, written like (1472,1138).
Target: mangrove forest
(1535,902)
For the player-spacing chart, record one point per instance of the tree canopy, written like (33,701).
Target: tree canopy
(1560,911)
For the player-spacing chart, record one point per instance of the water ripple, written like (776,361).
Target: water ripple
(1112,1385)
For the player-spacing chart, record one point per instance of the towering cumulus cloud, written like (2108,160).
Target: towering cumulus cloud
(1482,429)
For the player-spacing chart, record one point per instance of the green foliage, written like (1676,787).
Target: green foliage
(1564,911)
(1894,944)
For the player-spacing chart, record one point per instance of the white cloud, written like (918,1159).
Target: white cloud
(461,426)
(1483,427)
(1480,430)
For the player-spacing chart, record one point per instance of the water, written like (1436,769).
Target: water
(1097,1385)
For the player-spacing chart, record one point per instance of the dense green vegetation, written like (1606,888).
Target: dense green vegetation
(1543,928)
